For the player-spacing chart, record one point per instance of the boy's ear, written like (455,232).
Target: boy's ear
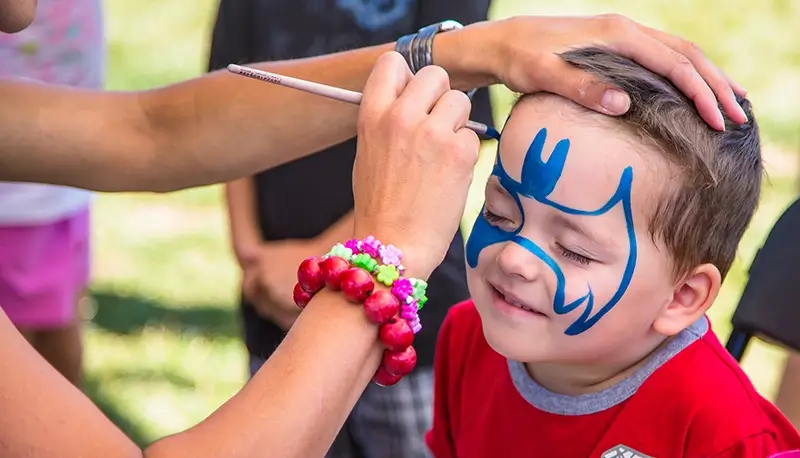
(692,297)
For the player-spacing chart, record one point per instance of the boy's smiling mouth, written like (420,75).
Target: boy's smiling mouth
(507,302)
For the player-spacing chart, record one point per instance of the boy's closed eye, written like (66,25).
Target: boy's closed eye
(503,222)
(574,256)
(501,209)
(509,224)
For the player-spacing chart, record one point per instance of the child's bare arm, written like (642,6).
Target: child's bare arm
(242,220)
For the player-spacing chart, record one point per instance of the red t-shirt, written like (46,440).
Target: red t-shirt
(690,400)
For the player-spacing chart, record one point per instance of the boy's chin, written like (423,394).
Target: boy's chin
(515,348)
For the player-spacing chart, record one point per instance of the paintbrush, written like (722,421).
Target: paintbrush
(332,92)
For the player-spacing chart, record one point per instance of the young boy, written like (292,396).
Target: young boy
(602,244)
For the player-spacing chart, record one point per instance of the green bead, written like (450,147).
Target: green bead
(421,302)
(365,261)
(419,290)
(387,274)
(341,251)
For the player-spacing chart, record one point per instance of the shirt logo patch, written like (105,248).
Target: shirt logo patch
(374,15)
(623,451)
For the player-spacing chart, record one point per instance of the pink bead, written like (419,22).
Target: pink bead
(402,288)
(408,313)
(371,246)
(416,326)
(353,245)
(391,255)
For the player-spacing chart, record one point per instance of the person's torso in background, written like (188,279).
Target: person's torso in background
(303,198)
(65,45)
(290,196)
(310,28)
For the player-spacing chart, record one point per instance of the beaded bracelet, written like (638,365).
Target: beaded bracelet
(348,267)
(366,254)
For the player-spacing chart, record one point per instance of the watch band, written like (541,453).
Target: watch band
(417,48)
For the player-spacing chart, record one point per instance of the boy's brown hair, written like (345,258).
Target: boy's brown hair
(705,209)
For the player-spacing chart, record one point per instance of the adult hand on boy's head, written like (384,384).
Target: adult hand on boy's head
(523,53)
(414,162)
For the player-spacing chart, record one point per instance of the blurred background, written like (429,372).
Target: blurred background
(162,339)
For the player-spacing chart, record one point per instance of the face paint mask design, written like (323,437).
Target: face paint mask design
(538,180)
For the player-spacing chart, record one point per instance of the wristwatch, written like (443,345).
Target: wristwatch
(417,48)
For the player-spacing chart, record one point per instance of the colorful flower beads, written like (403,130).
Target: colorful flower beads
(385,263)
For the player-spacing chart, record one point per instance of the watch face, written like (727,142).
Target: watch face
(449,25)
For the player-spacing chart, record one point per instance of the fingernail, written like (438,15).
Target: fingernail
(721,121)
(744,115)
(739,105)
(616,101)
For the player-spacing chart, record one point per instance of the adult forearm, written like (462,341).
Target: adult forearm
(210,129)
(214,119)
(294,406)
(68,136)
(225,125)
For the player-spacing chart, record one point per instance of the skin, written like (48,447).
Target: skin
(412,146)
(590,250)
(179,136)
(788,399)
(406,124)
(16,15)
(268,284)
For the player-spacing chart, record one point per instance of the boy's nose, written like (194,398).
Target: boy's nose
(517,261)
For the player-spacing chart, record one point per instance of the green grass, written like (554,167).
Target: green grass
(162,332)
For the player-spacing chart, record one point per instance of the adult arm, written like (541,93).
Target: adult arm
(221,126)
(299,399)
(214,128)
(293,407)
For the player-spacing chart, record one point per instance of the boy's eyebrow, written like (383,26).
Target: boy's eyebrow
(494,185)
(570,225)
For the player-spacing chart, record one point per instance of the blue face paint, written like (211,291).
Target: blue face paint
(538,180)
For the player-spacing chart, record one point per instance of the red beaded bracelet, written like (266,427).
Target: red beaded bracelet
(347,268)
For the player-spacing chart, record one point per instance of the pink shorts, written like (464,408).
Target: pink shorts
(43,269)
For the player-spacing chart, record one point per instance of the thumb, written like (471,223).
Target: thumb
(586,89)
(388,79)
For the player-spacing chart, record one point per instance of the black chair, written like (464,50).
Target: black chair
(769,308)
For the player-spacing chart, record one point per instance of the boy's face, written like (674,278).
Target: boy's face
(562,267)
